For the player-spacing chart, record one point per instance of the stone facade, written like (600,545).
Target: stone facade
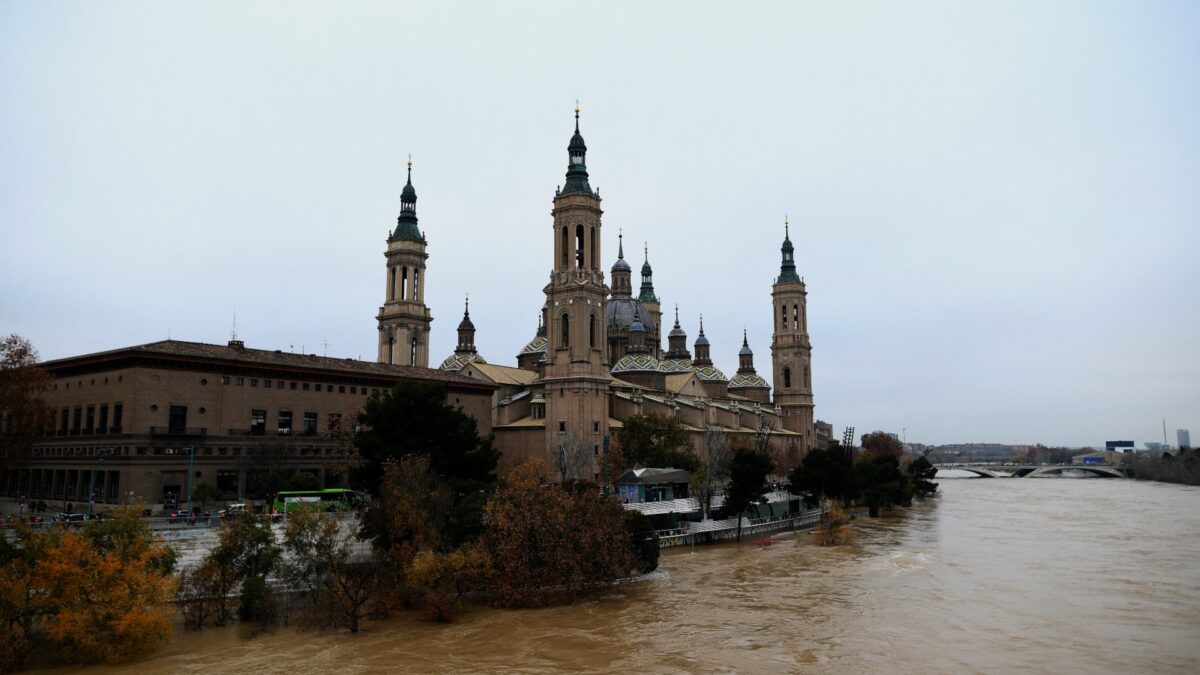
(130,416)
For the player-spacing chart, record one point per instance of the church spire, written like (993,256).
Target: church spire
(406,224)
(647,291)
(787,268)
(577,175)
(466,331)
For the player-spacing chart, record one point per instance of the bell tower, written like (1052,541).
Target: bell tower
(404,319)
(791,352)
(576,370)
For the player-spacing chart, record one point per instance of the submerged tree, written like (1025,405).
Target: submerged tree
(99,595)
(921,474)
(748,471)
(712,470)
(414,419)
(824,473)
(548,540)
(881,483)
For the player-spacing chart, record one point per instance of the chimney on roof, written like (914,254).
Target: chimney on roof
(238,345)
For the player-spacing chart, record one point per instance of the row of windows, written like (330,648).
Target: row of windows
(90,419)
(404,285)
(580,255)
(301,386)
(79,383)
(783,314)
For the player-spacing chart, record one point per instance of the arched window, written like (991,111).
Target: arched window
(795,317)
(564,247)
(416,284)
(579,246)
(392,286)
(412,354)
(592,331)
(592,243)
(404,282)
(391,358)
(566,331)
(787,378)
(784,315)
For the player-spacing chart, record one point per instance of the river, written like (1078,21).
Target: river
(996,575)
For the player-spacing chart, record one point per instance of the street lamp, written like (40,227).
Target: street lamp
(605,492)
(92,484)
(191,466)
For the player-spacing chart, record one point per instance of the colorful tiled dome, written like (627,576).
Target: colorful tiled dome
(456,362)
(675,366)
(536,346)
(637,363)
(748,381)
(709,374)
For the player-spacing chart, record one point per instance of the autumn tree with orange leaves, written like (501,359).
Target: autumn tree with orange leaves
(549,541)
(96,595)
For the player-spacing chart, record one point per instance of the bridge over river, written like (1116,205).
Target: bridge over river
(1038,470)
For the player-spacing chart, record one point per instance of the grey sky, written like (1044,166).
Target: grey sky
(995,206)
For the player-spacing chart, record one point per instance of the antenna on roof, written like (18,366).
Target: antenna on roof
(233,328)
(326,343)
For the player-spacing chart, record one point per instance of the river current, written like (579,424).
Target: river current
(995,575)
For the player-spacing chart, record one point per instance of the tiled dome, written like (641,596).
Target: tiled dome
(709,374)
(637,363)
(676,366)
(456,362)
(748,381)
(536,345)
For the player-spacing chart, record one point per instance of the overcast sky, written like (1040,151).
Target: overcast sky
(995,206)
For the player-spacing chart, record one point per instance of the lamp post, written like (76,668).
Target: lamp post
(92,485)
(605,490)
(191,465)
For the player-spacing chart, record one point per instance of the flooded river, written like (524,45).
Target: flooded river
(997,575)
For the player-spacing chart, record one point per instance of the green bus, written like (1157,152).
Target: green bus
(332,499)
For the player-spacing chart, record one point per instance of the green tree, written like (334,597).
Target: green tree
(748,471)
(824,473)
(881,483)
(643,540)
(246,551)
(921,474)
(414,419)
(205,492)
(655,441)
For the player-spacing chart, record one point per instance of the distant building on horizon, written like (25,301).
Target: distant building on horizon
(1183,438)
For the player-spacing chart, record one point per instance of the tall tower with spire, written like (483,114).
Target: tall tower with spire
(791,351)
(650,301)
(575,375)
(404,319)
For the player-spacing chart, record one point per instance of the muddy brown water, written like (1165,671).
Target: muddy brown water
(996,575)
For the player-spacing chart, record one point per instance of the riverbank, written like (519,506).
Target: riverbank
(1054,576)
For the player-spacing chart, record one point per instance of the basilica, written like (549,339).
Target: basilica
(147,422)
(597,356)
